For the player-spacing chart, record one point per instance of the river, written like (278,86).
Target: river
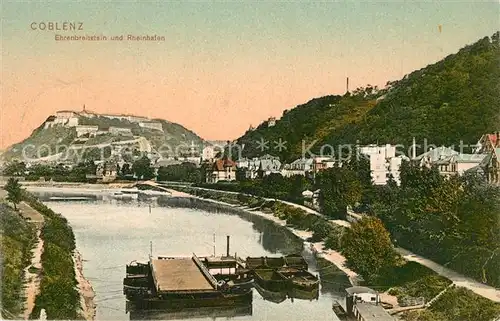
(112,233)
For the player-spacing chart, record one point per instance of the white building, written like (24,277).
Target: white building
(300,166)
(448,161)
(208,153)
(151,125)
(86,129)
(383,162)
(311,199)
(120,131)
(65,114)
(65,118)
(259,167)
(271,122)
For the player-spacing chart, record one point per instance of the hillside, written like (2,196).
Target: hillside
(50,138)
(452,100)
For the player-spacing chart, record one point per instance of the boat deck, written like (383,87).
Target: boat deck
(179,275)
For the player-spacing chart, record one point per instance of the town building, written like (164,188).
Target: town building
(383,162)
(489,167)
(435,156)
(459,164)
(65,118)
(259,166)
(208,153)
(66,114)
(120,131)
(223,169)
(487,143)
(322,163)
(271,122)
(301,166)
(86,129)
(450,162)
(152,125)
(311,199)
(106,171)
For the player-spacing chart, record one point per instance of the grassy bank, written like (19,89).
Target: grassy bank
(457,304)
(58,294)
(17,239)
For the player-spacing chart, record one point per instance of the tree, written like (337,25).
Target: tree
(299,184)
(14,191)
(240,174)
(367,247)
(340,187)
(15,168)
(126,170)
(142,168)
(185,172)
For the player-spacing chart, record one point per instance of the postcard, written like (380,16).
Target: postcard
(250,160)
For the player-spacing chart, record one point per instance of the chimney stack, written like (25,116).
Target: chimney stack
(347,85)
(227,251)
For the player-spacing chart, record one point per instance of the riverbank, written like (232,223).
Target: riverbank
(62,285)
(85,289)
(401,285)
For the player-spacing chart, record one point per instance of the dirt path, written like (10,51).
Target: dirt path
(481,289)
(32,279)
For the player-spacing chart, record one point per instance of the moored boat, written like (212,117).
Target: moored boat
(193,300)
(270,280)
(303,294)
(234,280)
(184,282)
(299,279)
(272,296)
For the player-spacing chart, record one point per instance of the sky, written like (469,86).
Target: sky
(223,66)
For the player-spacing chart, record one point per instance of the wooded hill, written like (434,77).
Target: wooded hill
(452,100)
(171,136)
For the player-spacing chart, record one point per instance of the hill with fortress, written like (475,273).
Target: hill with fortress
(69,136)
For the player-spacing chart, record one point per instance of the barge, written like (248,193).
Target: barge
(285,278)
(299,279)
(183,282)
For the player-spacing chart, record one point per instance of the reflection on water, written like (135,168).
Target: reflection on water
(212,313)
(112,233)
(281,296)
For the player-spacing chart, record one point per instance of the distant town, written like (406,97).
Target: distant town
(214,157)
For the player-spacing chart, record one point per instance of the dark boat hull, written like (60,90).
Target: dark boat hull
(275,297)
(303,294)
(270,280)
(192,301)
(189,313)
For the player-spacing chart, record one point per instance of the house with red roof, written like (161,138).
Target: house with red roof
(223,169)
(487,143)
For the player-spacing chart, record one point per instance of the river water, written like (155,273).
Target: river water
(110,234)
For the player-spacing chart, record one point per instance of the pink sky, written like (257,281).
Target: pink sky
(222,67)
